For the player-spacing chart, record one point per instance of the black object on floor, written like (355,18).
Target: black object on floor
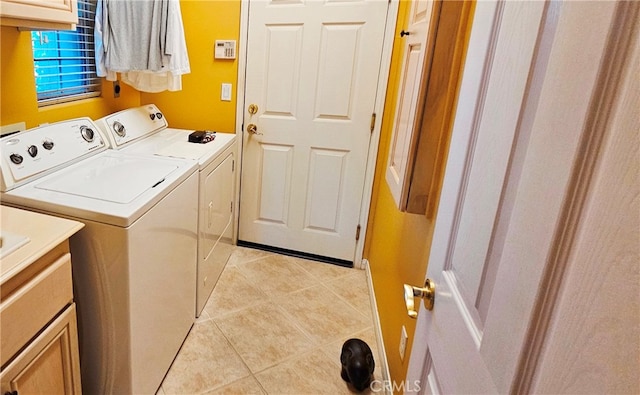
(357,364)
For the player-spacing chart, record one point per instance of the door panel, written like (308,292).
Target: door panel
(312,70)
(456,332)
(275,182)
(282,69)
(326,183)
(519,129)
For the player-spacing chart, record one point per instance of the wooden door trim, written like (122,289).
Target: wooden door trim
(590,146)
(449,33)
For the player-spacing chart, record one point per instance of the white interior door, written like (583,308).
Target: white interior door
(312,71)
(519,128)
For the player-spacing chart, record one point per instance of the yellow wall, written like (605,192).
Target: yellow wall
(18,101)
(197,106)
(397,244)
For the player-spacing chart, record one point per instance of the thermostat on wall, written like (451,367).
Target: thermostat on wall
(225,49)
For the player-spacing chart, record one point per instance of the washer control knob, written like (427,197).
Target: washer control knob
(47,144)
(16,158)
(32,150)
(87,133)
(119,129)
(159,115)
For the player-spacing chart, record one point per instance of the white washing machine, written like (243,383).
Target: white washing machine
(144,130)
(134,262)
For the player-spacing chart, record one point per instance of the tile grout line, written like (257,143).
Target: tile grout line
(230,344)
(324,346)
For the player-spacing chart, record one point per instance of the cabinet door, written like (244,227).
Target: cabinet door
(51,14)
(50,364)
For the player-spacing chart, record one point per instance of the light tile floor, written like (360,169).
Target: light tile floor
(275,324)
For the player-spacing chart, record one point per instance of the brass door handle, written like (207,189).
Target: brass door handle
(252,128)
(428,293)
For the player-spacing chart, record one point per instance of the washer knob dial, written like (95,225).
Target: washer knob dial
(87,133)
(119,129)
(16,158)
(47,144)
(32,150)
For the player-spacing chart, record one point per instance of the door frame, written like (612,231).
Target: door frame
(383,78)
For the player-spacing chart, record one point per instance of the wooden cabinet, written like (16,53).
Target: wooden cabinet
(39,14)
(434,53)
(50,363)
(39,343)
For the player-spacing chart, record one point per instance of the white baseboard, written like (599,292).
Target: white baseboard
(386,375)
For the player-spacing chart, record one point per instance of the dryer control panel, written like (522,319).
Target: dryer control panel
(35,152)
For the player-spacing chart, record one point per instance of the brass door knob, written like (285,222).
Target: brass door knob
(252,109)
(252,128)
(428,294)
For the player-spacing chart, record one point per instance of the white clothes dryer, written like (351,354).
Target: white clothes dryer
(144,130)
(134,262)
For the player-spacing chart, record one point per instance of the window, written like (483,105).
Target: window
(64,62)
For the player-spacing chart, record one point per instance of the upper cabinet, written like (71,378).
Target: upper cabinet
(434,41)
(39,14)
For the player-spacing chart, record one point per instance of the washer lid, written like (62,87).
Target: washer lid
(115,179)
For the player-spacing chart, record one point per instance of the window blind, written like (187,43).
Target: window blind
(64,60)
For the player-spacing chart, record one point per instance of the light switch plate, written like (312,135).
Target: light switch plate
(225,95)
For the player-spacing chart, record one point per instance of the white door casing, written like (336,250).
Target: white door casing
(519,130)
(312,70)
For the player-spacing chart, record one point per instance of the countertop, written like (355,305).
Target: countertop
(43,231)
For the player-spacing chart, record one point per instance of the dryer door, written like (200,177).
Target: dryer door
(216,214)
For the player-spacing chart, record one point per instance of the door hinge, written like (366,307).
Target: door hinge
(373,122)
(358,232)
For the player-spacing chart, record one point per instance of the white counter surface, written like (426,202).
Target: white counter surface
(33,235)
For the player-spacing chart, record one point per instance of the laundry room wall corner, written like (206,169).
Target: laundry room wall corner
(198,104)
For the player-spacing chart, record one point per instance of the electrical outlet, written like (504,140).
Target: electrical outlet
(403,342)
